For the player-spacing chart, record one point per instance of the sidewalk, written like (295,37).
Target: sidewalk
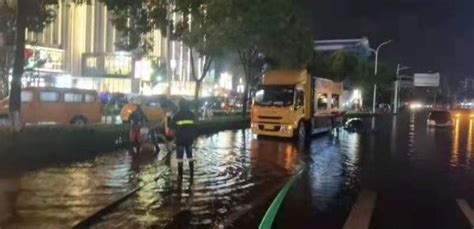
(57,143)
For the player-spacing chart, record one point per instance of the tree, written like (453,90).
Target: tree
(338,66)
(344,65)
(199,33)
(320,65)
(16,17)
(271,29)
(6,53)
(136,19)
(258,29)
(358,72)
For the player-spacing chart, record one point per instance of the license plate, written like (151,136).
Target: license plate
(268,127)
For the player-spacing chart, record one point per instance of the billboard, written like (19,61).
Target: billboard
(44,59)
(426,80)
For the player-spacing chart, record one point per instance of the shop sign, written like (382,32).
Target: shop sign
(44,59)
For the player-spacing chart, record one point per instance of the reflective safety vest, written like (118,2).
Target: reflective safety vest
(185,122)
(185,127)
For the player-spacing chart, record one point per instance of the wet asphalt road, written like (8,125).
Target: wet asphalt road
(416,172)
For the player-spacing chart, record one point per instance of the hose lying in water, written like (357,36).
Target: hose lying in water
(260,200)
(272,211)
(90,220)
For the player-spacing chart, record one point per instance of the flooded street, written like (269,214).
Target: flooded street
(416,172)
(231,170)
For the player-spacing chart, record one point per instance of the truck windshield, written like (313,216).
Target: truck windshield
(274,95)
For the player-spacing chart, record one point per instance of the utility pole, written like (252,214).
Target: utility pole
(376,52)
(395,93)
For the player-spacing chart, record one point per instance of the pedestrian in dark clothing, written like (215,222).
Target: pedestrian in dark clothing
(184,124)
(137,121)
(138,116)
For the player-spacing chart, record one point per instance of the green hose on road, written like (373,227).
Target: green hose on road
(272,211)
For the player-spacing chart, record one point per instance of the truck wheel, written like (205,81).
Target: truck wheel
(301,134)
(79,121)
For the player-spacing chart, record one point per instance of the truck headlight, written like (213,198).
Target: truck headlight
(286,128)
(253,125)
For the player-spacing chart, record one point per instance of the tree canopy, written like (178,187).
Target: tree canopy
(136,19)
(276,29)
(357,72)
(38,14)
(272,30)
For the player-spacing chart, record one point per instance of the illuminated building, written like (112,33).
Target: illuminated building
(78,50)
(359,47)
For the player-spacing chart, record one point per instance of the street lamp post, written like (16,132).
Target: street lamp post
(376,52)
(395,95)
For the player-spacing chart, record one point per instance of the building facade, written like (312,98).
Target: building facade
(78,50)
(359,47)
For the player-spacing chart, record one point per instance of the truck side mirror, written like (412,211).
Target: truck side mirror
(299,100)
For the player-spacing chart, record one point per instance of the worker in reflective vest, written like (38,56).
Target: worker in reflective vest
(183,123)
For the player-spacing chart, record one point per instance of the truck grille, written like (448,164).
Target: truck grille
(269,117)
(275,128)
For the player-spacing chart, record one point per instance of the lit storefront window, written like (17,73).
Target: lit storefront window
(118,65)
(91,62)
(143,70)
(107,64)
(225,81)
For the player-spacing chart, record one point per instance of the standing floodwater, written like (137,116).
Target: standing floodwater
(416,172)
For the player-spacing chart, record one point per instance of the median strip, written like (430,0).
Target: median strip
(361,212)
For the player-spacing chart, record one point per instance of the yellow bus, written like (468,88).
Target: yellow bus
(51,105)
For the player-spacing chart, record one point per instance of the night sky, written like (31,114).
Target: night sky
(429,35)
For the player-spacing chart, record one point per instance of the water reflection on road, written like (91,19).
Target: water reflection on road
(331,178)
(409,165)
(231,170)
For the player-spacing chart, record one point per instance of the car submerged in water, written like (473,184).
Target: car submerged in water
(440,118)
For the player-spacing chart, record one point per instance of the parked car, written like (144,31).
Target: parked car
(154,107)
(384,108)
(440,118)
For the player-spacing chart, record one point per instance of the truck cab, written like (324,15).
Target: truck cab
(291,103)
